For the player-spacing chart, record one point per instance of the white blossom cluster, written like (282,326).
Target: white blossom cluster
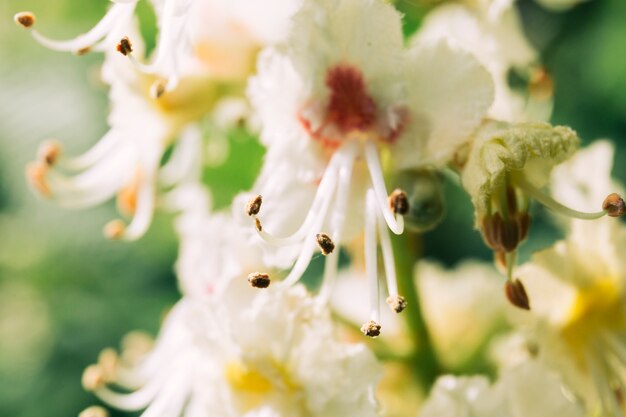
(359,122)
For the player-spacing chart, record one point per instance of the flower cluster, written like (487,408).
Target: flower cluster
(360,122)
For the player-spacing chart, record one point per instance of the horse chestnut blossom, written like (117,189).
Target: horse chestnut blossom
(341,103)
(244,353)
(155,105)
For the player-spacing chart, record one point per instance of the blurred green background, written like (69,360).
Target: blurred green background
(66,292)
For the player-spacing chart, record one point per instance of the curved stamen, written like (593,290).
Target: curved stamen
(395,223)
(101,149)
(554,205)
(118,12)
(342,157)
(371,266)
(145,209)
(336,225)
(184,163)
(388,260)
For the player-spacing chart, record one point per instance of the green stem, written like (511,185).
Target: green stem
(424,361)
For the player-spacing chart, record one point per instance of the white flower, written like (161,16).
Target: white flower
(340,95)
(467,297)
(577,290)
(154,104)
(252,354)
(492,31)
(526,390)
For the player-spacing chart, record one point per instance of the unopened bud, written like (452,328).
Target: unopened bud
(399,202)
(94,411)
(614,205)
(516,294)
(93,378)
(124,47)
(254,205)
(371,329)
(397,303)
(327,246)
(25,19)
(114,229)
(259,280)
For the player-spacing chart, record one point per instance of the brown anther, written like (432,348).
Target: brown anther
(327,246)
(258,225)
(157,89)
(397,303)
(614,205)
(505,235)
(259,280)
(49,152)
(254,205)
(371,329)
(24,19)
(124,47)
(93,378)
(399,202)
(83,51)
(36,175)
(516,294)
(94,411)
(114,229)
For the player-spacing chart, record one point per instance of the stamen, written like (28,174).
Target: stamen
(258,225)
(259,280)
(395,223)
(94,411)
(397,303)
(36,175)
(108,362)
(254,205)
(127,196)
(371,267)
(325,243)
(157,89)
(614,205)
(120,11)
(554,205)
(125,47)
(25,19)
(399,202)
(371,329)
(516,294)
(114,229)
(48,152)
(93,378)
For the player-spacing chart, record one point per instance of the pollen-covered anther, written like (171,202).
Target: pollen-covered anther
(24,19)
(48,152)
(114,229)
(94,411)
(124,46)
(108,361)
(516,294)
(397,303)
(258,225)
(371,329)
(614,205)
(157,89)
(259,280)
(36,173)
(399,202)
(254,205)
(326,244)
(93,378)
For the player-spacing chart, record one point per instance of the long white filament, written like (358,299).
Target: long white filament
(120,11)
(395,223)
(371,264)
(385,244)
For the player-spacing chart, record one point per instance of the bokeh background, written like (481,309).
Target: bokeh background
(66,292)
